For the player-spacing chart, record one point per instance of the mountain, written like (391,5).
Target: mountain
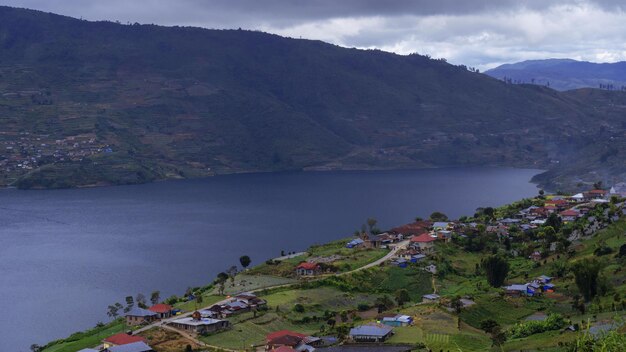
(93,103)
(565,74)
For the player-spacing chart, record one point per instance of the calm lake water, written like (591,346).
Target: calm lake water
(67,254)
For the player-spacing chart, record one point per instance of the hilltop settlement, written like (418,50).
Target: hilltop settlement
(545,273)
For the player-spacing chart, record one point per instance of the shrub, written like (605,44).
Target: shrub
(552,322)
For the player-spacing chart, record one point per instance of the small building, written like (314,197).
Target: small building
(441,225)
(198,325)
(371,333)
(355,243)
(536,256)
(121,339)
(291,339)
(424,242)
(430,298)
(308,269)
(516,290)
(397,320)
(137,316)
(164,311)
(569,215)
(131,347)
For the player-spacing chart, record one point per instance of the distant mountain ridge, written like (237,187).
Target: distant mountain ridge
(94,103)
(564,74)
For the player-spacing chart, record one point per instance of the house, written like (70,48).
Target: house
(431,268)
(251,299)
(290,339)
(370,240)
(595,194)
(308,269)
(131,347)
(397,320)
(569,215)
(431,298)
(544,279)
(424,242)
(365,348)
(371,333)
(516,290)
(412,229)
(121,339)
(536,256)
(355,243)
(401,263)
(199,325)
(163,310)
(441,225)
(137,316)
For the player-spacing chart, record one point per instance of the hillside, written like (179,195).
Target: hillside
(90,103)
(564,74)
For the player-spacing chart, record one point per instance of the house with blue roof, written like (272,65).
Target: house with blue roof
(371,333)
(137,316)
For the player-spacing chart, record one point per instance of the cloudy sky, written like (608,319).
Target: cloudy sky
(480,33)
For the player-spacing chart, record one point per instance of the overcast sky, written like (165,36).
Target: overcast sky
(480,33)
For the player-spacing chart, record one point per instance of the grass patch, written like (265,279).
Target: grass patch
(86,339)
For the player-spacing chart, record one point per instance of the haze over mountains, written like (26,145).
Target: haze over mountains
(565,74)
(183,102)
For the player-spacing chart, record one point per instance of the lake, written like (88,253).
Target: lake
(65,255)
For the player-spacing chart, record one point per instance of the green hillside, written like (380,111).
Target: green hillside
(88,103)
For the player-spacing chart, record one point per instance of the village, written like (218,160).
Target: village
(23,152)
(415,287)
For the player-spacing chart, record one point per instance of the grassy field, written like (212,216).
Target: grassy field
(86,339)
(244,283)
(347,259)
(207,300)
(252,331)
(317,300)
(166,341)
(504,311)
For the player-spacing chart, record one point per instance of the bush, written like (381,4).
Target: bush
(553,322)
(362,307)
(299,308)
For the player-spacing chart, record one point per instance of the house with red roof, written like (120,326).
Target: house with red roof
(569,215)
(289,341)
(424,242)
(163,310)
(121,339)
(308,269)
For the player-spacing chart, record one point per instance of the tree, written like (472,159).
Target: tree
(554,221)
(245,261)
(438,216)
(586,274)
(488,325)
(383,303)
(298,308)
(496,269)
(221,281)
(141,300)
(371,223)
(113,310)
(130,302)
(35,347)
(155,297)
(402,296)
(456,304)
(331,322)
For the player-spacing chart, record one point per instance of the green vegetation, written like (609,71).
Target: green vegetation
(86,339)
(185,102)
